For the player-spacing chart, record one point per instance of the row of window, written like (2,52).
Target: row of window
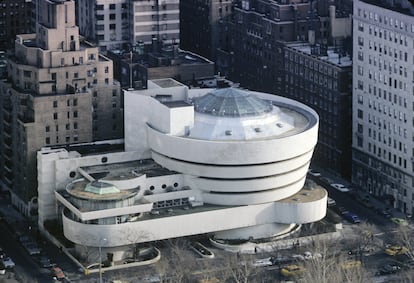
(390,142)
(387,50)
(111,6)
(387,81)
(383,33)
(397,69)
(67,139)
(309,75)
(67,127)
(74,102)
(391,126)
(382,153)
(394,23)
(385,96)
(311,63)
(56,115)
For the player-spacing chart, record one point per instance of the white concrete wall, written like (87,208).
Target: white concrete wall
(252,185)
(254,197)
(228,153)
(229,172)
(194,223)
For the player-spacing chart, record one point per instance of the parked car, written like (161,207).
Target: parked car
(384,212)
(389,269)
(263,262)
(45,262)
(394,250)
(292,270)
(399,221)
(351,217)
(341,210)
(340,187)
(351,264)
(314,173)
(32,248)
(58,273)
(8,262)
(331,202)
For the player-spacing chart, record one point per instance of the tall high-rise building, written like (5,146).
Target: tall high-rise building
(202,25)
(59,91)
(383,101)
(116,24)
(321,77)
(257,25)
(15,18)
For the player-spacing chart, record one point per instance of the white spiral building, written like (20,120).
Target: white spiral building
(225,161)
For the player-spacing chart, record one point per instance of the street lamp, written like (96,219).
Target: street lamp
(100,259)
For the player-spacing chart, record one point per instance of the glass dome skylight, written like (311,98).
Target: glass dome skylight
(231,102)
(101,188)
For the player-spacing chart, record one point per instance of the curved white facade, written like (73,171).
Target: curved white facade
(220,161)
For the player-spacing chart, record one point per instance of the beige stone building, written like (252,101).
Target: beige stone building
(59,91)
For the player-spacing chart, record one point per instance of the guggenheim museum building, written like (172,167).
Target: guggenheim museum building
(224,161)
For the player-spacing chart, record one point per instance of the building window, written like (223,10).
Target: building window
(75,114)
(47,128)
(360,114)
(99,7)
(67,126)
(112,26)
(55,104)
(359,141)
(111,6)
(360,85)
(67,139)
(55,116)
(47,140)
(75,102)
(112,16)
(360,128)
(75,125)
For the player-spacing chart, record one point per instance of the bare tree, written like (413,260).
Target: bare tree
(328,264)
(176,265)
(405,237)
(238,267)
(135,238)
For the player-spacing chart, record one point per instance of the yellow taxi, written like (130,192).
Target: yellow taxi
(396,250)
(292,270)
(351,264)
